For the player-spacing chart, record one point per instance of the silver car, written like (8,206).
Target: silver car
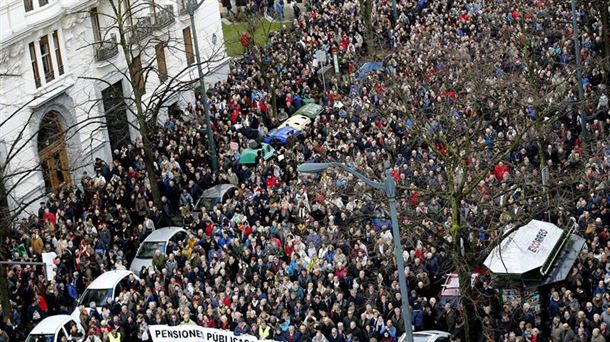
(157,240)
(428,336)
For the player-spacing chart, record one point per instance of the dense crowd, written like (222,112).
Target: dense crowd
(289,259)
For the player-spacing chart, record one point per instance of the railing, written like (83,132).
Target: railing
(142,29)
(107,49)
(183,7)
(164,17)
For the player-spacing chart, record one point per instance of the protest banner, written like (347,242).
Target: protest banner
(195,333)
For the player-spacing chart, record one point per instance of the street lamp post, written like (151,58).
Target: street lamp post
(191,7)
(389,187)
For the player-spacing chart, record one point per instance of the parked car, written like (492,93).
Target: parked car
(249,155)
(54,328)
(107,285)
(297,121)
(310,110)
(428,336)
(280,135)
(214,195)
(157,240)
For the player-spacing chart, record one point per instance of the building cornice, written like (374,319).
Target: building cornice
(65,8)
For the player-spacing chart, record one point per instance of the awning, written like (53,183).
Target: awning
(564,262)
(524,250)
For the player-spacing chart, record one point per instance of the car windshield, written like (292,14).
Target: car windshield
(41,338)
(99,296)
(148,249)
(205,203)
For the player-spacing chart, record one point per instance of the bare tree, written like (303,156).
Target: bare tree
(142,33)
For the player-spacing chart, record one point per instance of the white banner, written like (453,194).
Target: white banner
(195,333)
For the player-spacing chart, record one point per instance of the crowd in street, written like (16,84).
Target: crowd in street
(294,259)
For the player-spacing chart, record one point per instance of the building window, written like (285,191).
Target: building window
(29,5)
(188,45)
(95,25)
(60,63)
(42,2)
(161,65)
(35,65)
(137,74)
(45,55)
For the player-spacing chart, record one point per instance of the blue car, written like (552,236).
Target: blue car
(280,135)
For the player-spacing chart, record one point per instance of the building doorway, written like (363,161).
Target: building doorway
(116,116)
(52,153)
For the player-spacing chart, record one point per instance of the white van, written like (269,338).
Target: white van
(157,240)
(55,329)
(107,285)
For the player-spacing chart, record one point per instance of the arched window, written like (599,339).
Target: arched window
(52,152)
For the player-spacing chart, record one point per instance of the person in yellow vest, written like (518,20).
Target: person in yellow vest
(115,335)
(264,331)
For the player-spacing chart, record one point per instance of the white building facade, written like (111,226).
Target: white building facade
(63,80)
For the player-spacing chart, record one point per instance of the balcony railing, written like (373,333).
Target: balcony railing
(106,49)
(164,17)
(142,29)
(183,7)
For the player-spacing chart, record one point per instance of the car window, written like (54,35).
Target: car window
(98,296)
(120,286)
(442,339)
(180,236)
(61,336)
(41,338)
(147,249)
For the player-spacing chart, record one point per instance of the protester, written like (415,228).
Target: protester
(289,259)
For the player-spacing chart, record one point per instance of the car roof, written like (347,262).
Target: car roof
(217,191)
(109,279)
(297,118)
(432,333)
(51,324)
(163,234)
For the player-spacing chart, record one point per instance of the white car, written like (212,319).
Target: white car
(297,121)
(428,336)
(54,329)
(107,285)
(157,240)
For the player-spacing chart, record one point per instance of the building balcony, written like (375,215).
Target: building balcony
(106,49)
(164,17)
(141,30)
(183,10)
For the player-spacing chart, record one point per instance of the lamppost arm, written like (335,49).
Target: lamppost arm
(192,6)
(365,179)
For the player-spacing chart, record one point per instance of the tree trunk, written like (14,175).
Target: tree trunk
(5,225)
(149,160)
(468,306)
(455,218)
(606,38)
(365,13)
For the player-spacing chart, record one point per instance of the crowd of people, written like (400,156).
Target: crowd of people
(289,258)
